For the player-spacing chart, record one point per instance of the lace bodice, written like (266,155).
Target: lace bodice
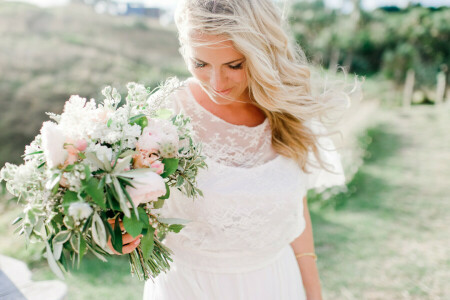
(252,205)
(223,142)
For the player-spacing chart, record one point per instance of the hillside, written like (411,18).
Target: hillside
(49,54)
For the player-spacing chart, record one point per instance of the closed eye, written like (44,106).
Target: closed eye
(236,67)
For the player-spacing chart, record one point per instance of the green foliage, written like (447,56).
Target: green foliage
(391,41)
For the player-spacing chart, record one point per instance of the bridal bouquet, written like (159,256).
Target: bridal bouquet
(95,166)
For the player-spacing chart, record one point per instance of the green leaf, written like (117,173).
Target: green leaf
(17,220)
(69,197)
(125,163)
(95,190)
(176,227)
(132,225)
(108,124)
(135,119)
(57,250)
(127,153)
(82,248)
(158,204)
(163,113)
(147,243)
(98,231)
(122,199)
(180,181)
(170,166)
(93,159)
(167,195)
(87,172)
(52,262)
(53,182)
(116,238)
(143,217)
(69,168)
(61,237)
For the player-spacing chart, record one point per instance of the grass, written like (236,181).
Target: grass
(386,238)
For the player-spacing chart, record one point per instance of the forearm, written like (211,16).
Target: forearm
(308,268)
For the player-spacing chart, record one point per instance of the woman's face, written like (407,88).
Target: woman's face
(219,67)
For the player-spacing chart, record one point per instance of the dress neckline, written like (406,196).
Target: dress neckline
(191,95)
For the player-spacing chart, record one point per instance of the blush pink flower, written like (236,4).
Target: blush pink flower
(157,166)
(147,187)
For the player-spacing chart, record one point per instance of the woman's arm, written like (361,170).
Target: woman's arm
(308,268)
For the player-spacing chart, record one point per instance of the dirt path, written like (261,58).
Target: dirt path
(390,236)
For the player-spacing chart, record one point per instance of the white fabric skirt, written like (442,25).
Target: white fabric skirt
(280,280)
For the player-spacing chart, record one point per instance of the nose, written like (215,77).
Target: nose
(217,80)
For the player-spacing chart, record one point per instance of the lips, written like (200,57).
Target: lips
(224,92)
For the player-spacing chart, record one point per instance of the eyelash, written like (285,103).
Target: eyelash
(235,67)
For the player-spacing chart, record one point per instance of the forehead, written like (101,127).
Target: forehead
(212,47)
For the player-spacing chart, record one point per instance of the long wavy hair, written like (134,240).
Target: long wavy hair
(279,78)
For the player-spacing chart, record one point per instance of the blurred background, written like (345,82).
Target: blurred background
(385,236)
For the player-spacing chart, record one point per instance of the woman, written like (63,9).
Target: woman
(250,101)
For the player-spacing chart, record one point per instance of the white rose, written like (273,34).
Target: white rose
(147,187)
(53,140)
(80,210)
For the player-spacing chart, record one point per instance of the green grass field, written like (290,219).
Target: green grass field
(387,238)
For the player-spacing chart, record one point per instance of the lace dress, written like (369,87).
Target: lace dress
(237,245)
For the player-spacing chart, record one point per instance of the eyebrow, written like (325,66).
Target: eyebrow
(228,63)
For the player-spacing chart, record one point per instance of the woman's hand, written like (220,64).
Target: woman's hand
(129,243)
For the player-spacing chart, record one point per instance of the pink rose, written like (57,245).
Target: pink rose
(147,187)
(157,166)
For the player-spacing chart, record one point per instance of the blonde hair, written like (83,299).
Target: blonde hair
(277,69)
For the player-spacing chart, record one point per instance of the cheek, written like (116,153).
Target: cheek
(199,73)
(239,77)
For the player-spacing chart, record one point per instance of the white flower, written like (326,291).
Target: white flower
(158,133)
(53,144)
(147,187)
(80,210)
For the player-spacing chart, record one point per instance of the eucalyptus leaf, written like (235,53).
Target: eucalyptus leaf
(57,250)
(54,181)
(121,166)
(61,237)
(94,160)
(98,231)
(127,153)
(52,262)
(122,198)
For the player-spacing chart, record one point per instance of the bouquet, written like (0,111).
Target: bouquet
(97,165)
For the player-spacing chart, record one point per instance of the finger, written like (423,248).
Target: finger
(130,247)
(128,238)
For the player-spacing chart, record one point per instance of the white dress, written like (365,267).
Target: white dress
(237,245)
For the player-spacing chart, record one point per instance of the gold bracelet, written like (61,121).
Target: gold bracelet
(306,254)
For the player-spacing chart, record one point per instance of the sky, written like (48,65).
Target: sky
(367,4)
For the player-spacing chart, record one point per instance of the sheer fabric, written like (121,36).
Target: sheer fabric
(237,243)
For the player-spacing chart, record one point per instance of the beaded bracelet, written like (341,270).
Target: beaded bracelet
(306,254)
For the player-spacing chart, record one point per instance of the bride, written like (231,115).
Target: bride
(250,101)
